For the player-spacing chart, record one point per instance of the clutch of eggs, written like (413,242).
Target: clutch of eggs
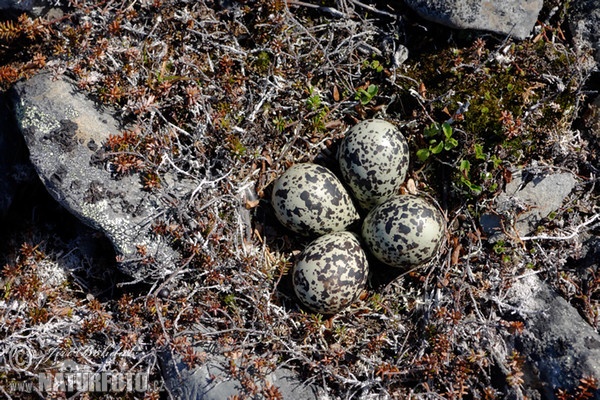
(399,230)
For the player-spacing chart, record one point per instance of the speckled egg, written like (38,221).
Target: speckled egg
(373,158)
(310,199)
(404,231)
(331,273)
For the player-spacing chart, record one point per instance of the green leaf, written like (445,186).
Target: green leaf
(423,154)
(365,96)
(465,167)
(376,65)
(479,154)
(437,149)
(450,143)
(496,161)
(362,96)
(431,130)
(476,189)
(372,90)
(447,129)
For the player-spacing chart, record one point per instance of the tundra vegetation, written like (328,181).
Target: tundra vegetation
(232,93)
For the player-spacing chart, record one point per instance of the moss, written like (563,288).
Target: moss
(261,62)
(516,96)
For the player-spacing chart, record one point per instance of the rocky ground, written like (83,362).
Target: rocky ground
(139,144)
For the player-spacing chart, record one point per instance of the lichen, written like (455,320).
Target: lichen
(30,117)
(119,228)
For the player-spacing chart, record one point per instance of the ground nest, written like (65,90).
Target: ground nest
(234,93)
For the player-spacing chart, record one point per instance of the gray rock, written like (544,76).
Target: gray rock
(515,18)
(592,254)
(213,381)
(64,130)
(559,346)
(584,22)
(529,198)
(35,7)
(491,224)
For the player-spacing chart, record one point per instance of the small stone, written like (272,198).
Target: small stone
(533,196)
(491,225)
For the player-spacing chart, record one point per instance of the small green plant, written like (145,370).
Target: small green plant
(280,123)
(374,65)
(465,168)
(318,121)
(235,145)
(366,95)
(500,247)
(319,110)
(440,139)
(262,62)
(229,300)
(481,155)
(314,100)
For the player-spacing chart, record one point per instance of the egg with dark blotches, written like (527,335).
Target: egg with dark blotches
(373,158)
(404,231)
(309,199)
(331,273)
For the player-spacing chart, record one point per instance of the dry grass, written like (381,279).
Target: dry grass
(227,95)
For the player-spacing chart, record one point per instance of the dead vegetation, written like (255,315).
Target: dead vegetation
(227,95)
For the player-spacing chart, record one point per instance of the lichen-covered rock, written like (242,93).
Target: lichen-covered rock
(404,231)
(331,272)
(508,17)
(64,131)
(584,21)
(24,5)
(373,158)
(559,347)
(212,380)
(310,199)
(533,195)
